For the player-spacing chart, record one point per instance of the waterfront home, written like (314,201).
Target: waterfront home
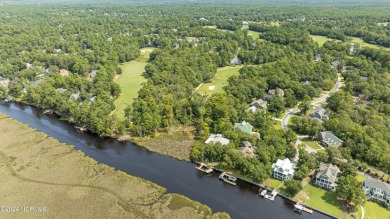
(214,138)
(320,113)
(247,149)
(283,169)
(259,104)
(327,176)
(329,139)
(377,190)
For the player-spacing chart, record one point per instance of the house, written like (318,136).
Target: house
(283,169)
(279,92)
(253,109)
(377,190)
(328,138)
(74,96)
(245,23)
(246,127)
(203,19)
(58,50)
(320,113)
(35,83)
(214,138)
(318,57)
(247,149)
(335,64)
(243,126)
(60,90)
(306,82)
(93,73)
(64,72)
(235,61)
(274,92)
(327,176)
(259,104)
(4,83)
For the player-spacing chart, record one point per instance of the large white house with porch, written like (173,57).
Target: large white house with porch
(283,169)
(377,190)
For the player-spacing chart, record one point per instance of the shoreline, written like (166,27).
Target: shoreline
(32,163)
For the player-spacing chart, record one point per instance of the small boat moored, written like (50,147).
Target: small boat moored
(203,168)
(300,206)
(8,99)
(227,178)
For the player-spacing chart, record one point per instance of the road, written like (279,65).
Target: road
(314,102)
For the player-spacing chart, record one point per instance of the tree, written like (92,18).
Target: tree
(276,105)
(304,107)
(350,189)
(292,187)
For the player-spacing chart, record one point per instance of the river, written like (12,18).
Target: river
(241,201)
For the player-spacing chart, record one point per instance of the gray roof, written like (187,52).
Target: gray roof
(335,64)
(75,96)
(319,112)
(246,144)
(328,172)
(93,73)
(329,138)
(376,183)
(259,104)
(214,138)
(35,83)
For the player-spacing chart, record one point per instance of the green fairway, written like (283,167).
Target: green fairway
(321,199)
(364,44)
(321,39)
(130,81)
(219,81)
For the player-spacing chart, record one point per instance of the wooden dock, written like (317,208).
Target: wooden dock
(203,168)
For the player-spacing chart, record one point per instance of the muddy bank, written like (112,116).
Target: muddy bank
(42,178)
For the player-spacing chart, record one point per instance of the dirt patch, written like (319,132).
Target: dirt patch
(42,178)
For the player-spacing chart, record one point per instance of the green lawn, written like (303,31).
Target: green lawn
(360,177)
(130,81)
(383,23)
(272,183)
(220,80)
(321,199)
(373,210)
(312,144)
(364,44)
(211,27)
(321,39)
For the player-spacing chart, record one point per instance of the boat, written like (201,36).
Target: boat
(300,206)
(263,193)
(48,112)
(227,178)
(203,168)
(8,99)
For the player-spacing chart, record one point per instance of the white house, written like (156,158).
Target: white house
(377,190)
(214,138)
(283,169)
